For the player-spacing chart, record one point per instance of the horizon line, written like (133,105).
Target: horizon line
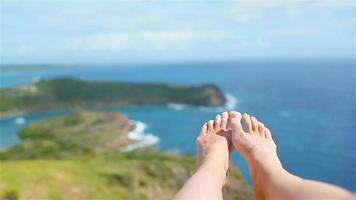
(77,64)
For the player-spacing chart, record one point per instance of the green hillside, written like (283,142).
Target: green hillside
(134,175)
(67,93)
(78,157)
(75,134)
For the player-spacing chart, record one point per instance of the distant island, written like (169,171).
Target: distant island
(67,93)
(78,156)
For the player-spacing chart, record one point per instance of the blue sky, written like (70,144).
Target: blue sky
(154,31)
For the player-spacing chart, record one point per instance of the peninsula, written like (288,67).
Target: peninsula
(63,94)
(82,133)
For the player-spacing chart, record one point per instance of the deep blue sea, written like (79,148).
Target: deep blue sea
(308,105)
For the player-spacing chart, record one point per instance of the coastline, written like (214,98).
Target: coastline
(138,135)
(230,104)
(66,93)
(141,138)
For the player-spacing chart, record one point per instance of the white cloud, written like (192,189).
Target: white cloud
(147,40)
(294,8)
(170,28)
(334,4)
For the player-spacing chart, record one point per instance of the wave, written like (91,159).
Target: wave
(176,106)
(20,121)
(139,135)
(230,104)
(35,79)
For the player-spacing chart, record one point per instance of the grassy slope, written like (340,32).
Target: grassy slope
(66,93)
(135,175)
(116,176)
(62,158)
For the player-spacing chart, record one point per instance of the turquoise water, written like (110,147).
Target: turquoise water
(308,105)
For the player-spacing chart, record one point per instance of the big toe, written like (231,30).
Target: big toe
(234,122)
(224,118)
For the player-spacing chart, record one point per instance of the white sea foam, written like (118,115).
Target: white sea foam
(230,104)
(176,106)
(211,109)
(142,139)
(20,120)
(35,79)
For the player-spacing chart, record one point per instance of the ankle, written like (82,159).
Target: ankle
(217,173)
(217,159)
(263,156)
(263,163)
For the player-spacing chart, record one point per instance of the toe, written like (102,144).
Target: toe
(202,133)
(234,122)
(254,124)
(246,119)
(217,122)
(203,130)
(261,129)
(224,118)
(268,134)
(210,126)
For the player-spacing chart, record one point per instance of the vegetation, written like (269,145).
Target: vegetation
(77,157)
(67,93)
(76,134)
(134,175)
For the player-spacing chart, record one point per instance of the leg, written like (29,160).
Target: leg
(212,162)
(270,180)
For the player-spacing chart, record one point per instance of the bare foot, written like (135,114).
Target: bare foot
(213,144)
(269,179)
(212,162)
(256,146)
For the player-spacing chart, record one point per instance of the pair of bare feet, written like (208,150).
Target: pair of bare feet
(216,141)
(254,143)
(220,136)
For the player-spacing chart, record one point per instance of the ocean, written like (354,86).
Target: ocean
(308,105)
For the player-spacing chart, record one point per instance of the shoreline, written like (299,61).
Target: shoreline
(142,139)
(230,104)
(138,135)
